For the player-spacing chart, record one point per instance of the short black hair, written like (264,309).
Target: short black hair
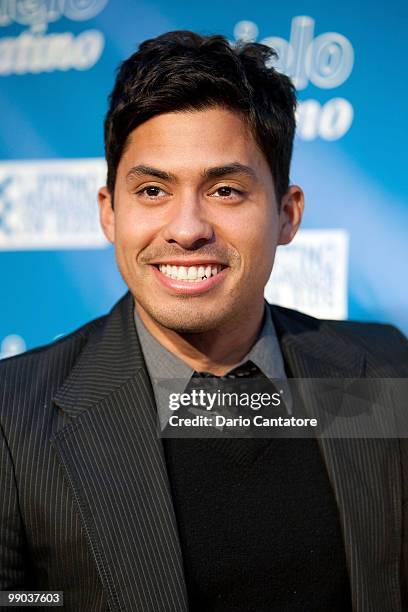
(183,70)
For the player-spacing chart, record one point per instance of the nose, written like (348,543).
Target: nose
(188,226)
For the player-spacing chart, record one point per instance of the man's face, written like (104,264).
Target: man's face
(195,222)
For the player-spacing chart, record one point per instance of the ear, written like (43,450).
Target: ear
(292,205)
(106,214)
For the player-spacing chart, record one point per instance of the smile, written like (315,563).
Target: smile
(192,274)
(189,280)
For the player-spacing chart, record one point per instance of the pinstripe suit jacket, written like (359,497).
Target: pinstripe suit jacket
(85,503)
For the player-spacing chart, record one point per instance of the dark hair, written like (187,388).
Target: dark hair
(182,70)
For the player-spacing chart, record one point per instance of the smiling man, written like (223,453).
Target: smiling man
(95,503)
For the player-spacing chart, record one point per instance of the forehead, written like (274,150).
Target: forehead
(192,141)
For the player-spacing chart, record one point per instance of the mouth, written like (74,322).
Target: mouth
(189,279)
(192,274)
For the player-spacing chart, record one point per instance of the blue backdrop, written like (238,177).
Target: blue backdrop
(57,65)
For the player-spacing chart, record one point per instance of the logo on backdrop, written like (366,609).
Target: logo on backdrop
(50,204)
(35,50)
(325,61)
(310,274)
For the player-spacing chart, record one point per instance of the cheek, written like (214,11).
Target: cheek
(134,231)
(255,235)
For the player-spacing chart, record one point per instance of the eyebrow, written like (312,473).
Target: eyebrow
(234,168)
(215,172)
(141,170)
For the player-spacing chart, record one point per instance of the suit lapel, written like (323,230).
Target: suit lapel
(114,464)
(364,473)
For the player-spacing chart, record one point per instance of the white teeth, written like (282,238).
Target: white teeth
(192,273)
(182,273)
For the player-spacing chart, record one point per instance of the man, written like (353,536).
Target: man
(94,503)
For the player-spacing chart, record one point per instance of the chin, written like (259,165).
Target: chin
(188,318)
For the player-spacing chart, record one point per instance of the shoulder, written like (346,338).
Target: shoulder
(382,342)
(300,321)
(36,374)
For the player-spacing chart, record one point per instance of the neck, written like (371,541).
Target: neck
(216,351)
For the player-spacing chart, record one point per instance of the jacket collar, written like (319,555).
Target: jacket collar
(314,349)
(111,357)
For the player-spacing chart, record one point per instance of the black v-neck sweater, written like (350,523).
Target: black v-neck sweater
(258,526)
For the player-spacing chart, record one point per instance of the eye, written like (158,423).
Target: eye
(226,191)
(152,191)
